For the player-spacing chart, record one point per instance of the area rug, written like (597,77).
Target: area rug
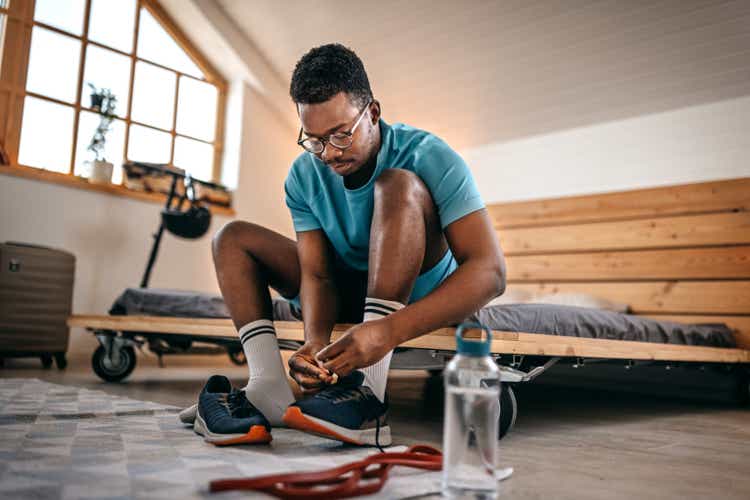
(66,442)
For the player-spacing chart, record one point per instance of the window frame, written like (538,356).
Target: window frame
(15,53)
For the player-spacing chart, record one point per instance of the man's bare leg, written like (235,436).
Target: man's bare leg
(248,259)
(405,240)
(405,235)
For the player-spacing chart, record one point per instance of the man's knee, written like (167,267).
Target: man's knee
(233,234)
(400,188)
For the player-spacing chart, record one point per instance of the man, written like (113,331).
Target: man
(392,235)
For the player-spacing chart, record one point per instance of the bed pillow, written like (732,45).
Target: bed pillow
(521,296)
(516,296)
(580,300)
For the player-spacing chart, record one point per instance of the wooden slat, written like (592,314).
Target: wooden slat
(683,231)
(717,196)
(442,339)
(692,297)
(550,345)
(221,328)
(740,324)
(701,263)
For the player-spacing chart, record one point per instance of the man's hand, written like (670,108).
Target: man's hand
(305,370)
(361,346)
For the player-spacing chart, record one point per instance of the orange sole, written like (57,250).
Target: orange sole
(256,435)
(294,418)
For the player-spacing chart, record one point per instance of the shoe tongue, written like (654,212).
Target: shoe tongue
(218,383)
(354,379)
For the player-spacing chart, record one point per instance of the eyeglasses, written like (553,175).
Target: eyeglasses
(339,140)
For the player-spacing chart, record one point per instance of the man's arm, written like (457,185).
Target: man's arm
(480,277)
(318,289)
(319,302)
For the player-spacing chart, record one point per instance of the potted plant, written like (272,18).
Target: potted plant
(104,103)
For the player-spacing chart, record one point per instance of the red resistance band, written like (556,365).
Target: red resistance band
(355,478)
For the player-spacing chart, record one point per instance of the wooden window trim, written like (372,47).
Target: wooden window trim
(13,91)
(73,181)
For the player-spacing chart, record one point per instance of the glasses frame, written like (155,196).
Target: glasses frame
(327,140)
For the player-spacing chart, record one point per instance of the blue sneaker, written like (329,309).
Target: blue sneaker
(346,411)
(225,416)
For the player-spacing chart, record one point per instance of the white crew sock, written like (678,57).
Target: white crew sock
(376,376)
(267,387)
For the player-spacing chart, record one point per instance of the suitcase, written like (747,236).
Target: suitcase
(36,295)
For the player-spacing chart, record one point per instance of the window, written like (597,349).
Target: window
(169,100)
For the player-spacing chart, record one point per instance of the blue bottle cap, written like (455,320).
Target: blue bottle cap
(473,347)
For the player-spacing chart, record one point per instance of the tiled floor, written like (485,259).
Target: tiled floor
(568,442)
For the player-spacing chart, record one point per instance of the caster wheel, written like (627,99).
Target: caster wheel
(61,361)
(46,361)
(508,410)
(110,371)
(237,356)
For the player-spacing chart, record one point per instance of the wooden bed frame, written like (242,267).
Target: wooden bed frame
(679,253)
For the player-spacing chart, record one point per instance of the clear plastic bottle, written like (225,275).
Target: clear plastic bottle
(472,413)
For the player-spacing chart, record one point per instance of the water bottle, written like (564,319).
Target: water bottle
(472,415)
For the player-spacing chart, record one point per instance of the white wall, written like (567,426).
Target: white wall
(699,143)
(268,147)
(110,237)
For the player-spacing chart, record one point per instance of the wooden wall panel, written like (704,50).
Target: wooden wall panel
(718,196)
(665,232)
(701,263)
(694,297)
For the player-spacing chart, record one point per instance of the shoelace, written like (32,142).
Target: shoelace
(362,477)
(377,435)
(339,392)
(237,404)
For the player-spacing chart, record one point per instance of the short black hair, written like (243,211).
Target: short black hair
(327,70)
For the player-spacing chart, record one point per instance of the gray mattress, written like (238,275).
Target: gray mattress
(530,318)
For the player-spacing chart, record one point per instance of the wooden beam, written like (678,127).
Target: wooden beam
(732,228)
(684,264)
(15,62)
(210,71)
(717,196)
(442,339)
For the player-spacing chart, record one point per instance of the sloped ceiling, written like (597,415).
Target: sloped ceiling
(477,72)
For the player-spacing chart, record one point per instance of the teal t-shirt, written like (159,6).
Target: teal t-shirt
(317,198)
